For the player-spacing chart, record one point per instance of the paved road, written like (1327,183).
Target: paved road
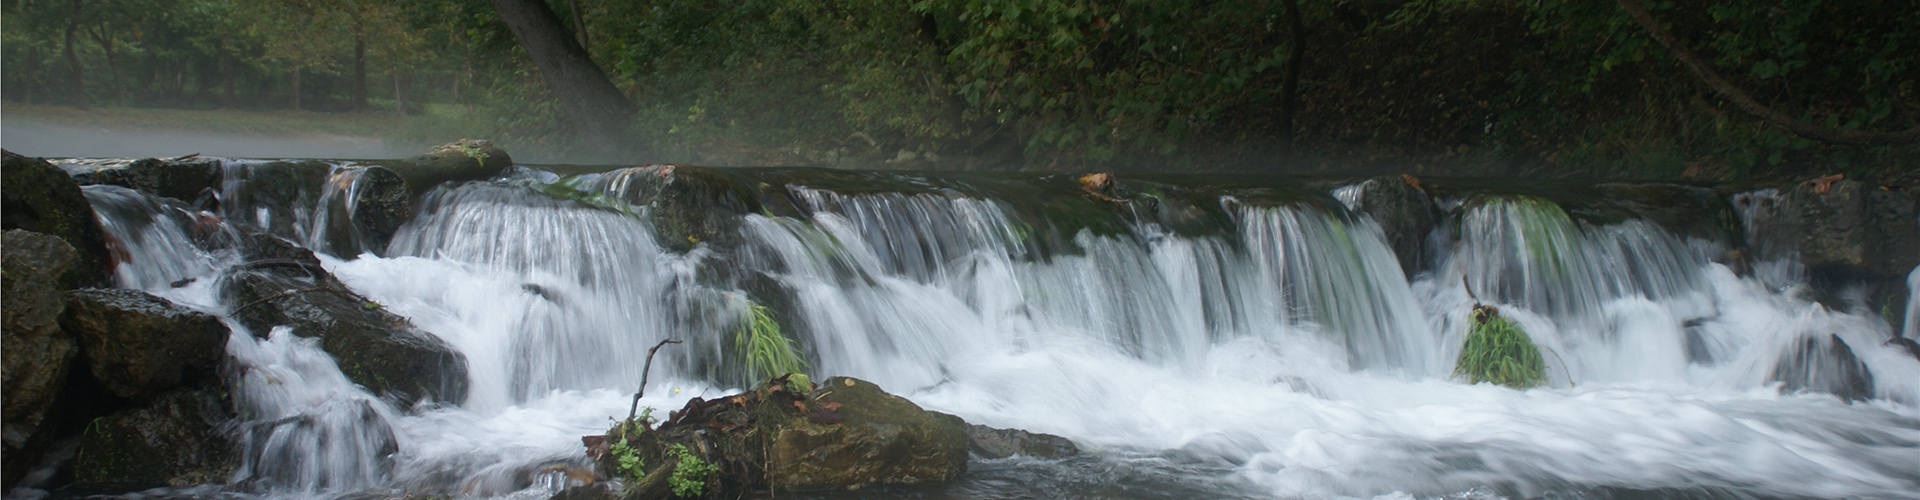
(49,140)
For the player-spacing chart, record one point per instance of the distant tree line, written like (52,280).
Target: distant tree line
(1510,85)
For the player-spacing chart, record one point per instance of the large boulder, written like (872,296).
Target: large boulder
(36,355)
(179,440)
(39,197)
(881,439)
(375,348)
(845,435)
(364,206)
(186,179)
(138,345)
(1815,364)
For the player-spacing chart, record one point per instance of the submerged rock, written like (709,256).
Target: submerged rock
(285,286)
(40,197)
(37,354)
(988,442)
(138,345)
(1826,365)
(179,440)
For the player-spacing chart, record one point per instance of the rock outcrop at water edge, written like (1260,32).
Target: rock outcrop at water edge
(40,197)
(181,439)
(284,285)
(36,354)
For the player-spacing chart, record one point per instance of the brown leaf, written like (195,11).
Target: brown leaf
(1825,183)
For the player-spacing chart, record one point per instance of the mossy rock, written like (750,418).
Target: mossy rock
(1405,213)
(37,196)
(175,441)
(462,160)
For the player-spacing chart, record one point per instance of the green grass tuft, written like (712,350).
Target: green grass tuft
(767,352)
(1498,351)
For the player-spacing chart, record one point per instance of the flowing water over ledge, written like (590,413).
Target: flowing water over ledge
(1198,338)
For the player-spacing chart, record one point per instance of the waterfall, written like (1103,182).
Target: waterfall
(1281,354)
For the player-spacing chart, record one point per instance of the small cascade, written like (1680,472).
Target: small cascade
(306,428)
(159,241)
(593,289)
(1341,275)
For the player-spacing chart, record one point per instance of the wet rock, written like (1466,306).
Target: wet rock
(1854,228)
(178,440)
(37,196)
(688,205)
(184,179)
(462,160)
(988,442)
(1404,212)
(1826,365)
(275,195)
(882,439)
(36,356)
(377,349)
(365,207)
(138,345)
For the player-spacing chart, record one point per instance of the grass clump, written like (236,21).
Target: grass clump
(767,352)
(1498,351)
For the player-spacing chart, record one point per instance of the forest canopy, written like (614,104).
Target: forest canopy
(1538,87)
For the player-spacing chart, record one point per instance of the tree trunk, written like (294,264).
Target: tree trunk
(33,69)
(399,98)
(78,93)
(113,64)
(359,67)
(1747,103)
(226,75)
(1290,87)
(294,78)
(579,26)
(593,105)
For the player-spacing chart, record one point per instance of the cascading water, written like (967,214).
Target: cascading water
(1286,355)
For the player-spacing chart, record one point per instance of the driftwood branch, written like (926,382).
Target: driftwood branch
(1747,103)
(645,372)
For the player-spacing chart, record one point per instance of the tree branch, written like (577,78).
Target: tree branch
(1747,104)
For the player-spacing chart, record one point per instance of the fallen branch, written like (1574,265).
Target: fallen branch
(645,372)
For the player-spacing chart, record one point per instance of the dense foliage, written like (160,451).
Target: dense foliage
(1553,87)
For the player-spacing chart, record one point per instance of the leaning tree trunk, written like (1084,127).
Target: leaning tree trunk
(593,105)
(1747,103)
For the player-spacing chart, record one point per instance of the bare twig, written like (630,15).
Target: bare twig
(645,372)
